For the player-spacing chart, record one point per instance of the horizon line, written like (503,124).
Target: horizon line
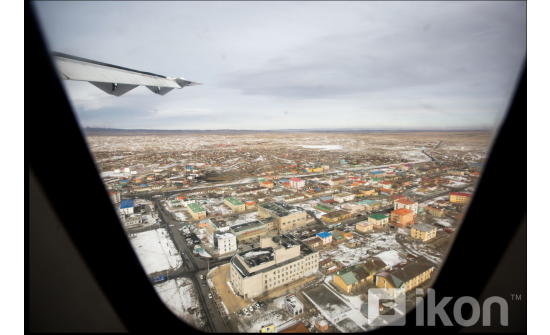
(297,129)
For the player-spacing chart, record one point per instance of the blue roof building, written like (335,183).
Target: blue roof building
(323,234)
(376,172)
(127,204)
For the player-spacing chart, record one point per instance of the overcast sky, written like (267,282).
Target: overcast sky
(289,65)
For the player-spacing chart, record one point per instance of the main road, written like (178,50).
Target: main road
(191,268)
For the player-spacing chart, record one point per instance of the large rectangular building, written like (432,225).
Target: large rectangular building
(249,229)
(459,198)
(402,217)
(279,260)
(235,204)
(196,211)
(423,231)
(286,217)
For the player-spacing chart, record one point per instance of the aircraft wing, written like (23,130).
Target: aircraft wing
(113,79)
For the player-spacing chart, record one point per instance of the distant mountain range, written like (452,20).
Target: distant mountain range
(98,131)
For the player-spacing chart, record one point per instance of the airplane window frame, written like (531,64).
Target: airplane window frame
(121,280)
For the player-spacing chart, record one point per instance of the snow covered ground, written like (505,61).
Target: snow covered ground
(180,297)
(178,212)
(335,307)
(343,254)
(390,257)
(381,241)
(447,223)
(180,216)
(156,251)
(272,314)
(242,218)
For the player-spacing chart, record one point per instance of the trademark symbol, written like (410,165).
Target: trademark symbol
(516,297)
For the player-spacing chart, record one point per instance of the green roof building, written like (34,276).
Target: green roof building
(378,216)
(235,204)
(196,208)
(196,211)
(378,220)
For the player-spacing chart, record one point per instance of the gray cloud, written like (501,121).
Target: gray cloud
(324,64)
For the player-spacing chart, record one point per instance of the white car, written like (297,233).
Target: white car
(202,277)
(210,295)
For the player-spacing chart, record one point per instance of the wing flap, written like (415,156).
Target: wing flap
(159,90)
(114,89)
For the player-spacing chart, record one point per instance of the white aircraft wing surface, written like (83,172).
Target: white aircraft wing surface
(112,79)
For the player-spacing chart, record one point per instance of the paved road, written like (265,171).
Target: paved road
(193,268)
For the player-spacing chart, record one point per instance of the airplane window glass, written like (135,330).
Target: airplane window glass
(341,139)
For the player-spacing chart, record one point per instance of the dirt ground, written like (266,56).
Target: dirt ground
(220,277)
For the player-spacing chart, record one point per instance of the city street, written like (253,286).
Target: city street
(193,269)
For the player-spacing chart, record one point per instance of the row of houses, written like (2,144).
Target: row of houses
(408,275)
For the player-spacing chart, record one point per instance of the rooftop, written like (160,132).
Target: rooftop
(378,216)
(323,234)
(127,204)
(423,227)
(257,256)
(402,211)
(284,241)
(196,208)
(234,201)
(293,301)
(247,225)
(281,209)
(260,258)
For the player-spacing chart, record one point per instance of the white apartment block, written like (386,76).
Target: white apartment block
(408,204)
(115,197)
(225,241)
(279,260)
(297,183)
